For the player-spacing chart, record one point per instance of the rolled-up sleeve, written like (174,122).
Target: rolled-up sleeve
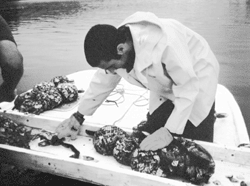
(99,89)
(178,64)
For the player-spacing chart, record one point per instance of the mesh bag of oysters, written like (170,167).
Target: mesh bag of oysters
(13,134)
(47,96)
(182,159)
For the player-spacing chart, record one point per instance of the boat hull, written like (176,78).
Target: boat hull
(230,131)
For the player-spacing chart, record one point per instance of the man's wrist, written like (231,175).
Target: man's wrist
(79,117)
(168,133)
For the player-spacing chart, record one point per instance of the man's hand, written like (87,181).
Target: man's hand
(159,139)
(69,127)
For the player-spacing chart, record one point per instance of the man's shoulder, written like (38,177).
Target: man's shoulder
(142,18)
(5,32)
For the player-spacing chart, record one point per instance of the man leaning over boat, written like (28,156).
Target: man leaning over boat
(169,59)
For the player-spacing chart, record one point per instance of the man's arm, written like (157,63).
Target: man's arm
(178,64)
(99,89)
(11,63)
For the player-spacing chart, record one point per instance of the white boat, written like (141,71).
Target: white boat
(126,107)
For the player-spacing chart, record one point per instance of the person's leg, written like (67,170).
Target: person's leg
(158,118)
(205,131)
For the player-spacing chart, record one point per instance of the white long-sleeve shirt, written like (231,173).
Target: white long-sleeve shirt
(173,62)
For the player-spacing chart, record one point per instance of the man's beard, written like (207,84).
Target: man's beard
(130,60)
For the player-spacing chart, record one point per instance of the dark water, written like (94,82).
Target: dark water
(50,34)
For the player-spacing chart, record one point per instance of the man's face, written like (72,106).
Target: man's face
(126,61)
(111,66)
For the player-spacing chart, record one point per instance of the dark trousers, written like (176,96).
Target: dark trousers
(159,117)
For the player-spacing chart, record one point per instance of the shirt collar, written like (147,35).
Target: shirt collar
(146,30)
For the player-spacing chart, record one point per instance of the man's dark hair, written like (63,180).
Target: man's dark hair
(101,43)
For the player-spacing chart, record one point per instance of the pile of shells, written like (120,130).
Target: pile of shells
(14,134)
(47,96)
(181,159)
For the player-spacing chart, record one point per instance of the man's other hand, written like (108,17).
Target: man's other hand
(159,139)
(68,128)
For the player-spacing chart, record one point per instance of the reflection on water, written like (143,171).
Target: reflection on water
(50,34)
